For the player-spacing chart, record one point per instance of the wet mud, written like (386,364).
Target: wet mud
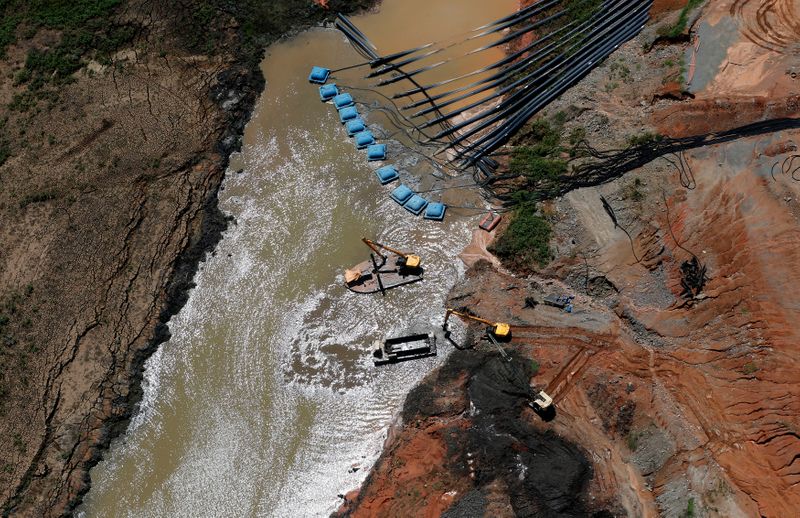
(490,444)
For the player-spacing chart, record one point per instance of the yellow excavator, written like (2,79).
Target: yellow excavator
(405,261)
(498,329)
(407,264)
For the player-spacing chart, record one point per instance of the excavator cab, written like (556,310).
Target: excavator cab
(404,260)
(410,261)
(501,330)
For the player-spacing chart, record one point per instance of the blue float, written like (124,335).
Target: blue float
(387,174)
(343,101)
(348,114)
(376,152)
(364,139)
(415,204)
(319,75)
(435,211)
(328,92)
(401,194)
(355,126)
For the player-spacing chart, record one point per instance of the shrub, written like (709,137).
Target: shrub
(749,368)
(527,161)
(643,139)
(526,240)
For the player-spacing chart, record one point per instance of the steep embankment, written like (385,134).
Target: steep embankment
(115,136)
(683,407)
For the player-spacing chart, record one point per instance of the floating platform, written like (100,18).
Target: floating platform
(364,139)
(391,275)
(404,348)
(376,152)
(387,174)
(319,75)
(416,204)
(342,101)
(355,126)
(435,211)
(328,92)
(347,114)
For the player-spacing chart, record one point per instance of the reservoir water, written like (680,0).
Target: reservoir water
(265,398)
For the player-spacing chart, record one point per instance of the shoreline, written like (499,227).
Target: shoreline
(54,477)
(246,83)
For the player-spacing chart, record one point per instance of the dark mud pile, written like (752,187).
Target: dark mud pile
(476,407)
(543,475)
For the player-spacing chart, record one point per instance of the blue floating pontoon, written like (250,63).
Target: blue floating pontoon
(343,101)
(387,174)
(348,113)
(319,75)
(376,152)
(328,92)
(435,211)
(401,194)
(364,139)
(355,126)
(415,204)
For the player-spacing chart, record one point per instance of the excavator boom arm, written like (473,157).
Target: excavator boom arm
(373,245)
(377,246)
(469,317)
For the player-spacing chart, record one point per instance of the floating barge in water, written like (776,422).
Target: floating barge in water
(392,271)
(390,275)
(404,348)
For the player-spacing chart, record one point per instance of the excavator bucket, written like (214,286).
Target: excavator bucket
(351,276)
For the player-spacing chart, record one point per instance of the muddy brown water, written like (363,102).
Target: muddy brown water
(265,398)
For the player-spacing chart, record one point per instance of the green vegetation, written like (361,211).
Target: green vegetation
(537,158)
(5,148)
(581,10)
(644,139)
(87,29)
(526,241)
(633,440)
(618,70)
(534,368)
(680,25)
(5,151)
(632,191)
(749,368)
(690,508)
(37,198)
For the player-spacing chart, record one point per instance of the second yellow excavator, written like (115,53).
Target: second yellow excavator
(406,260)
(498,329)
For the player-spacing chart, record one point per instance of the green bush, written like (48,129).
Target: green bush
(527,161)
(526,240)
(680,25)
(87,29)
(749,368)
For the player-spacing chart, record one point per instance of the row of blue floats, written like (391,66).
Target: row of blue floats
(364,139)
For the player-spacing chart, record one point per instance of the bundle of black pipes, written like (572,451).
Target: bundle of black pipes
(597,167)
(579,34)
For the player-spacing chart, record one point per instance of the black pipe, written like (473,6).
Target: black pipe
(520,97)
(495,139)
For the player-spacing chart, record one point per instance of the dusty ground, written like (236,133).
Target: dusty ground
(107,203)
(681,407)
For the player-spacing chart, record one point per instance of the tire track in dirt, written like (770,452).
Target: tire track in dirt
(771,24)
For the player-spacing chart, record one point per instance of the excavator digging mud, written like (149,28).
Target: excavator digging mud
(539,401)
(383,271)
